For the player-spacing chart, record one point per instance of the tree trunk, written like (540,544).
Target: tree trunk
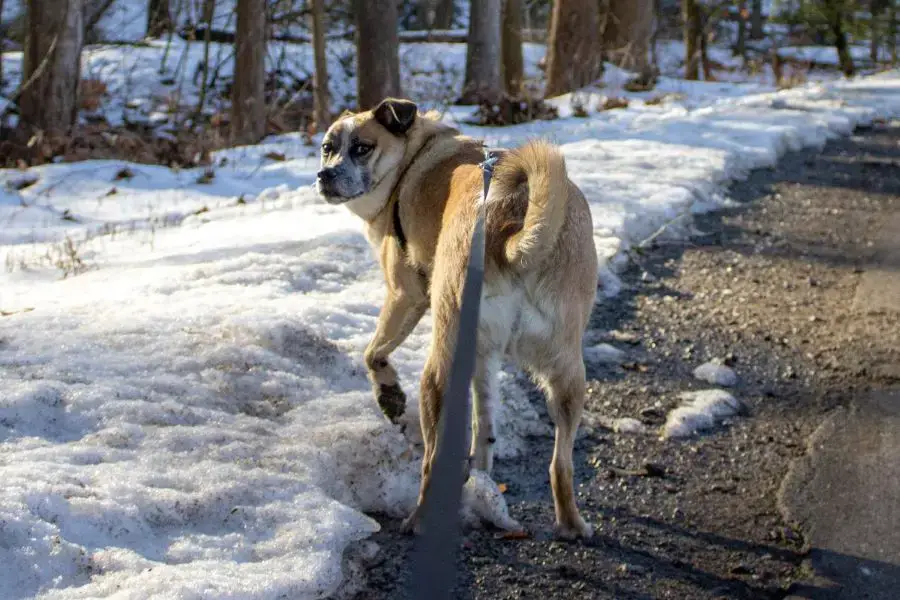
(484,80)
(875,8)
(322,114)
(377,52)
(574,53)
(443,15)
(892,30)
(248,97)
(52,64)
(693,30)
(704,46)
(159,19)
(756,21)
(740,46)
(513,69)
(834,10)
(2,40)
(626,37)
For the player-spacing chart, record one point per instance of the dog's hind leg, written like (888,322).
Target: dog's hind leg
(565,394)
(485,396)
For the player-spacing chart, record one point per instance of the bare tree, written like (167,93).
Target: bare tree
(443,14)
(627,32)
(892,31)
(574,57)
(248,100)
(756,20)
(434,14)
(377,52)
(740,47)
(484,80)
(693,32)
(159,18)
(320,79)
(877,9)
(513,70)
(835,13)
(2,41)
(48,97)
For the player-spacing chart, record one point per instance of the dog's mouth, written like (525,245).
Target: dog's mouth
(333,196)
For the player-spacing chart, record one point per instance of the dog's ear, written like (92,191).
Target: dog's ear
(397,116)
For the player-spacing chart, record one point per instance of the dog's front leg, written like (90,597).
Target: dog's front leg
(401,312)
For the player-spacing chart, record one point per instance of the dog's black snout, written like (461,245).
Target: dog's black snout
(327,175)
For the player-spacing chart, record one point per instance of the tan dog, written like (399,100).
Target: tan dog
(416,182)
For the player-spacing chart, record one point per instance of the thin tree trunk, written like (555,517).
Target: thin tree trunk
(693,30)
(443,15)
(48,99)
(320,80)
(835,12)
(574,52)
(377,52)
(740,47)
(484,80)
(513,69)
(2,39)
(248,98)
(756,21)
(875,7)
(159,19)
(704,47)
(892,30)
(424,14)
(209,11)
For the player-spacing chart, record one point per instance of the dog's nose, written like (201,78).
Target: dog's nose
(327,175)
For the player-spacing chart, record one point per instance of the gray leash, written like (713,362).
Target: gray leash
(434,553)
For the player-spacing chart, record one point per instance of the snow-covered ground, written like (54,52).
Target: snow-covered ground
(185,414)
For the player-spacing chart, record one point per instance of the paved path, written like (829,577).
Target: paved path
(846,491)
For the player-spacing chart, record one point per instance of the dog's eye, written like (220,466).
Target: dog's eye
(327,148)
(361,149)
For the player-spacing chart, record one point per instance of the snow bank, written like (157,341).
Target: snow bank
(188,417)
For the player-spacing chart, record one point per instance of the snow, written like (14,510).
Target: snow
(185,414)
(483,502)
(604,353)
(700,411)
(824,55)
(716,374)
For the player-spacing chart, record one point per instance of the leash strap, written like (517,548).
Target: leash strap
(434,553)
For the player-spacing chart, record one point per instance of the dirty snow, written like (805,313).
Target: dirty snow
(716,374)
(604,353)
(700,411)
(185,414)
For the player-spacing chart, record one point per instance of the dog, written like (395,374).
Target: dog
(417,182)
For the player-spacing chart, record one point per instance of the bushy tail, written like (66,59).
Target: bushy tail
(544,168)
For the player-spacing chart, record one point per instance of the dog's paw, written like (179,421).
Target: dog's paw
(391,400)
(576,529)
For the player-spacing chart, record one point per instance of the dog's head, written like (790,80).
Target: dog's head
(359,151)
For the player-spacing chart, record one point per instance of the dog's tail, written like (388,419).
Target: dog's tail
(543,167)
